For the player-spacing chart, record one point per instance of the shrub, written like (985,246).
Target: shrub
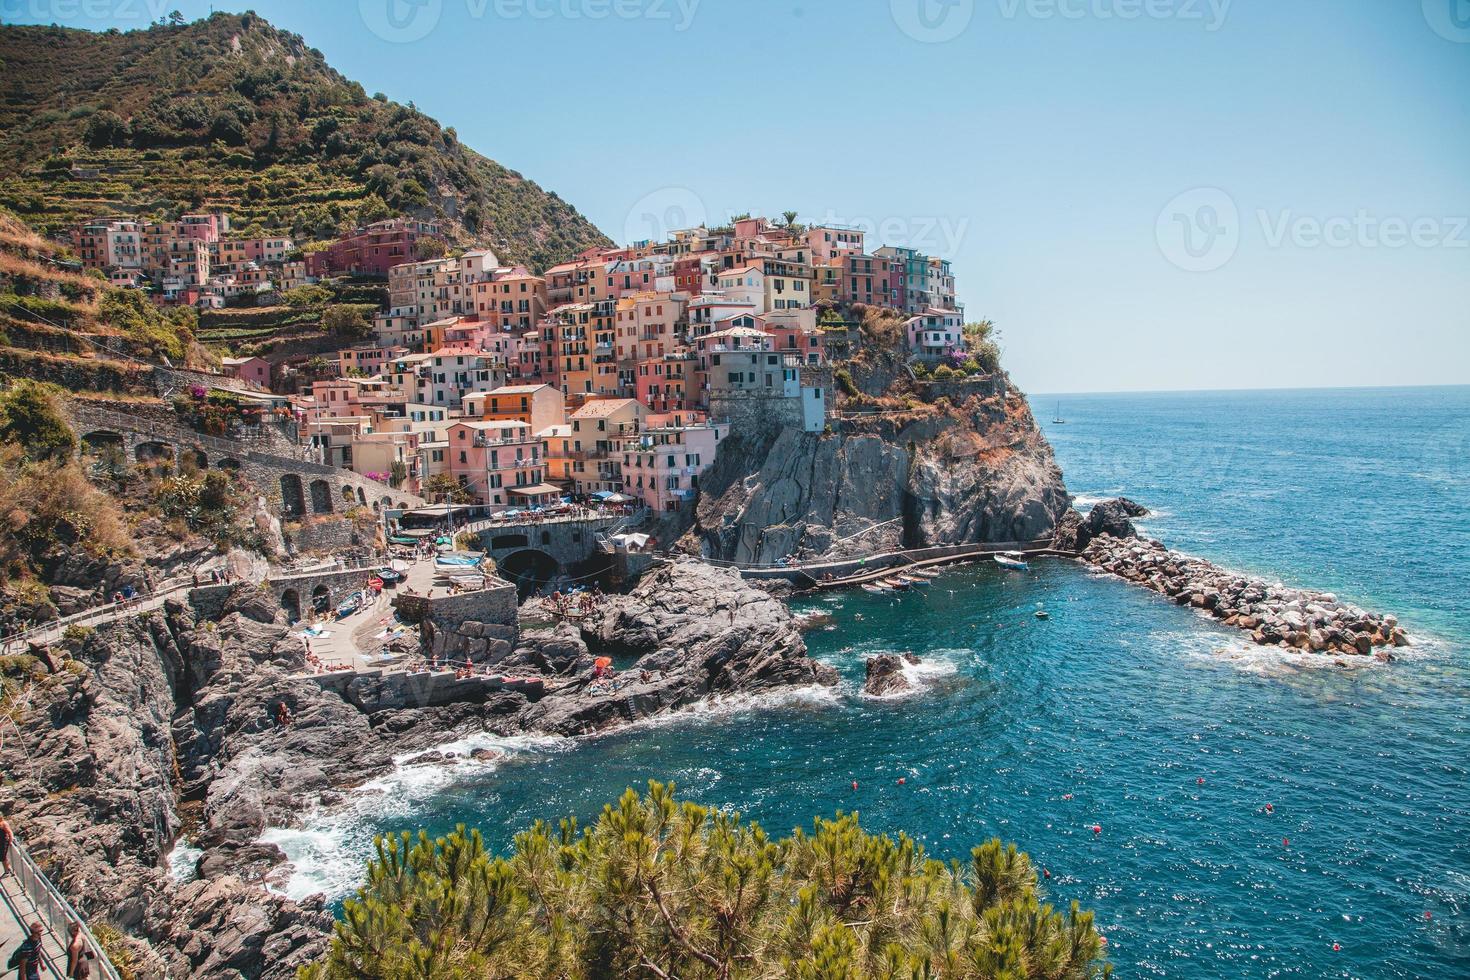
(657,887)
(304,296)
(30,416)
(844,382)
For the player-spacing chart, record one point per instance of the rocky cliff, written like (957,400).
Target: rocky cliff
(922,464)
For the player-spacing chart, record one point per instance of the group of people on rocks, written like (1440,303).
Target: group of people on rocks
(576,603)
(28,959)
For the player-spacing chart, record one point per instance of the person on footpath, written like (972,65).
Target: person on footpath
(7,837)
(27,956)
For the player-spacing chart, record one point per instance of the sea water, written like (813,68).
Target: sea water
(1109,712)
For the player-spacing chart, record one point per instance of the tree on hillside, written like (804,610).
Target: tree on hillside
(662,888)
(442,485)
(106,129)
(30,416)
(348,320)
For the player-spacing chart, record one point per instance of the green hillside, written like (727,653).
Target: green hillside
(232,113)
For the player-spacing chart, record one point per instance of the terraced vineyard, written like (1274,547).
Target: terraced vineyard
(231,113)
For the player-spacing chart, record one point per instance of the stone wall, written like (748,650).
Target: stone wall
(377,690)
(757,410)
(479,627)
(295,487)
(328,534)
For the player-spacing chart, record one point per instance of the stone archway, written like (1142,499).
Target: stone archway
(293,500)
(529,569)
(154,453)
(227,463)
(321,599)
(195,458)
(361,498)
(321,497)
(291,603)
(103,441)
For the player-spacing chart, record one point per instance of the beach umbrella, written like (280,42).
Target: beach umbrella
(603,662)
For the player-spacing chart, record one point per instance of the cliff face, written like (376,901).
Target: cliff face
(948,464)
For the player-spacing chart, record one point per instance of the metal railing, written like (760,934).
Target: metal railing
(97,614)
(55,912)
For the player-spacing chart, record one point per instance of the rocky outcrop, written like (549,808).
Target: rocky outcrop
(166,720)
(687,632)
(932,473)
(1273,615)
(1111,517)
(884,676)
(1072,533)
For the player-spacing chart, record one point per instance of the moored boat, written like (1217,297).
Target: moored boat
(1012,560)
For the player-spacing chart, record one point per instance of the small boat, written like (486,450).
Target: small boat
(349,605)
(873,588)
(912,581)
(1012,560)
(390,576)
(894,583)
(926,573)
(1059,420)
(1042,614)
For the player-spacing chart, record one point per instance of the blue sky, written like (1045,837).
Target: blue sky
(1143,194)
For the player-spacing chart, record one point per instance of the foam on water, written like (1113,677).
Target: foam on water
(183,861)
(328,852)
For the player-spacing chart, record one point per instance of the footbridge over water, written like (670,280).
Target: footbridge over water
(532,552)
(837,573)
(298,486)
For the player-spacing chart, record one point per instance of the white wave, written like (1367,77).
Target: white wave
(326,855)
(931,666)
(183,862)
(719,708)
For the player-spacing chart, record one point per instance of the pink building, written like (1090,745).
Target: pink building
(663,461)
(252,370)
(500,462)
(936,333)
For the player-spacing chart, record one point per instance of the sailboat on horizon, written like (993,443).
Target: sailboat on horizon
(1058,420)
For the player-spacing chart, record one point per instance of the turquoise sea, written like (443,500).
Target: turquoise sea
(1121,701)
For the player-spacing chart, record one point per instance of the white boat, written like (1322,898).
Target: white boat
(873,588)
(1012,560)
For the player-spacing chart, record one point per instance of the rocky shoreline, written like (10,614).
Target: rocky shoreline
(161,727)
(1271,614)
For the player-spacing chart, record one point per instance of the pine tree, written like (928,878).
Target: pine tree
(661,888)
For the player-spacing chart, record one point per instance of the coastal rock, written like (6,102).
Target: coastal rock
(964,470)
(885,676)
(1073,533)
(690,630)
(1273,615)
(1110,517)
(1130,508)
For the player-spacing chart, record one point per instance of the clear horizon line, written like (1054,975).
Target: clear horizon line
(1203,391)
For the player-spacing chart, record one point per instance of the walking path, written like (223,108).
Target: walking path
(28,896)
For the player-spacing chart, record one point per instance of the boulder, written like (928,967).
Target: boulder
(1110,517)
(885,676)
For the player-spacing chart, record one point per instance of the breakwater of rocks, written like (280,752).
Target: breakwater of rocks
(1273,615)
